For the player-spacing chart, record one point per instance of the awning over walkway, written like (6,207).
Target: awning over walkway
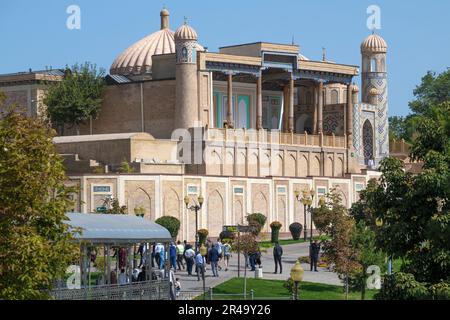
(116,229)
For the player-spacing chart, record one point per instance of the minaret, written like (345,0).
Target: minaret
(186,108)
(374,90)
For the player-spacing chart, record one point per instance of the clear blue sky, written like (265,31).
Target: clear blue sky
(33,34)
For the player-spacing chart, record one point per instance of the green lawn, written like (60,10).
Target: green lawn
(273,289)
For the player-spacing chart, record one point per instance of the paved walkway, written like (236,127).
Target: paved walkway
(291,254)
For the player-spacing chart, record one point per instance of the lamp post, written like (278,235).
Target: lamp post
(195,208)
(379,223)
(297,276)
(307,200)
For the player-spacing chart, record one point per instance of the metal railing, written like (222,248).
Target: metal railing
(211,295)
(148,290)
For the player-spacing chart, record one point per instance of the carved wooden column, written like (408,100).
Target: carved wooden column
(291,104)
(349,115)
(259,123)
(320,109)
(230,120)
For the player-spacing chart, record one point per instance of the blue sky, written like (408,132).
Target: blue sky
(33,34)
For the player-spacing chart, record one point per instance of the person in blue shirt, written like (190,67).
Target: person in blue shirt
(200,265)
(213,255)
(173,256)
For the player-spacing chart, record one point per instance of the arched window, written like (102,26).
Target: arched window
(382,65)
(373,65)
(334,97)
(367,141)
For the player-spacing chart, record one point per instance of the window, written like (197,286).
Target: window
(281,189)
(373,65)
(238,190)
(192,189)
(334,97)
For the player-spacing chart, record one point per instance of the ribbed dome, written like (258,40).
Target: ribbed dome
(374,44)
(137,59)
(186,32)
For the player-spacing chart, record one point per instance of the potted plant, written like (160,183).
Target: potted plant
(275,227)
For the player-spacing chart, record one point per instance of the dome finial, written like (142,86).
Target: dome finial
(185,20)
(164,18)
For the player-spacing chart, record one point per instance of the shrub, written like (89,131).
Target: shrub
(401,286)
(440,291)
(170,223)
(275,227)
(202,235)
(296,230)
(257,222)
(227,236)
(304,259)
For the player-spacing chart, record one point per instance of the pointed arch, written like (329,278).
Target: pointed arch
(253,165)
(315,166)
(216,213)
(303,166)
(368,142)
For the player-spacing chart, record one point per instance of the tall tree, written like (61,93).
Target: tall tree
(433,90)
(77,98)
(35,244)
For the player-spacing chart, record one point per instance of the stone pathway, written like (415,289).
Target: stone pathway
(291,254)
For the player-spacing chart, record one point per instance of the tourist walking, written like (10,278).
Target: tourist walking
(213,255)
(200,265)
(277,254)
(314,255)
(123,279)
(173,256)
(189,256)
(180,255)
(226,255)
(159,253)
(219,247)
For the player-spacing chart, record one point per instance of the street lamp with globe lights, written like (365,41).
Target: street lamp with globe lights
(195,208)
(297,276)
(307,201)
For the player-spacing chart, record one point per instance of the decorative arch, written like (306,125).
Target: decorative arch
(229,164)
(329,166)
(368,141)
(240,164)
(281,216)
(253,165)
(303,166)
(238,212)
(214,163)
(216,213)
(315,166)
(172,204)
(290,166)
(339,168)
(145,201)
(334,96)
(277,169)
(260,204)
(265,165)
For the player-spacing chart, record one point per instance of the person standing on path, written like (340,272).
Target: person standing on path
(189,255)
(226,255)
(173,256)
(277,254)
(314,255)
(180,255)
(200,265)
(213,256)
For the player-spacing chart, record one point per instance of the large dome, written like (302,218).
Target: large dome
(137,59)
(374,44)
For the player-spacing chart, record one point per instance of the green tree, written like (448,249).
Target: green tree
(332,218)
(170,223)
(77,98)
(363,239)
(433,90)
(35,247)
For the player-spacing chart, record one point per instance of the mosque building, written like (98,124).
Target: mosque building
(246,127)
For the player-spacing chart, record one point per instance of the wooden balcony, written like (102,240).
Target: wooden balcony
(246,136)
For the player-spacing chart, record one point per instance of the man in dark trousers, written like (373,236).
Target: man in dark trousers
(277,254)
(314,255)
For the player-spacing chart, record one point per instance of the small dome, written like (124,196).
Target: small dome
(355,88)
(186,32)
(302,57)
(165,13)
(374,44)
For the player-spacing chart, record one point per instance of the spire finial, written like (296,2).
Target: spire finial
(324,54)
(293,40)
(164,18)
(185,20)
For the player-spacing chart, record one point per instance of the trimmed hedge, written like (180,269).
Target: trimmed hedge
(170,223)
(275,226)
(257,222)
(202,235)
(296,230)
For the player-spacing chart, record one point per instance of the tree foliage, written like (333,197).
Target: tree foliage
(257,222)
(35,247)
(170,223)
(76,98)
